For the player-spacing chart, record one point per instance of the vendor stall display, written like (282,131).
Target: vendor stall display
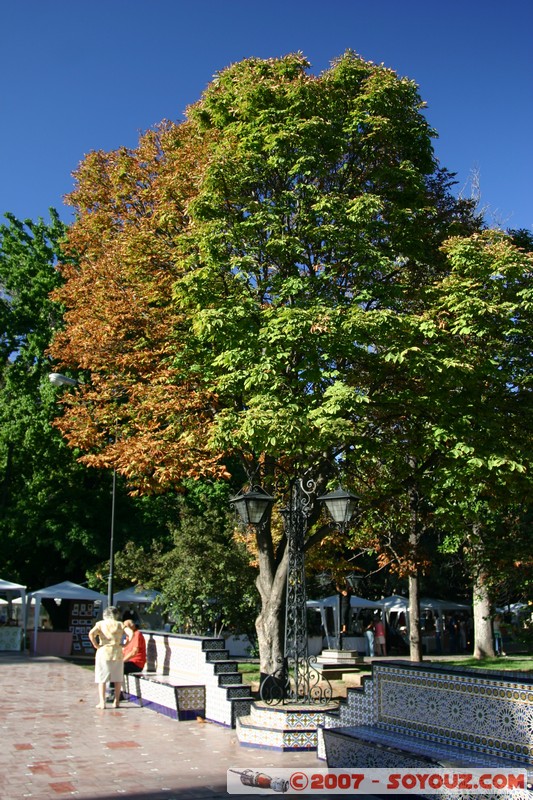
(12,637)
(84,605)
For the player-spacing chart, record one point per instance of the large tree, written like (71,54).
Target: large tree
(236,278)
(450,410)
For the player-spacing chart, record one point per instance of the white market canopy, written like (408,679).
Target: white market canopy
(429,604)
(355,602)
(9,587)
(11,590)
(333,602)
(136,594)
(397,603)
(516,609)
(64,591)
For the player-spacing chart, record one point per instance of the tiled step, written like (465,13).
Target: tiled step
(290,716)
(220,667)
(250,735)
(216,655)
(228,678)
(288,727)
(213,644)
(238,692)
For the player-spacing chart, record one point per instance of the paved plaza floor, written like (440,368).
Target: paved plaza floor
(56,744)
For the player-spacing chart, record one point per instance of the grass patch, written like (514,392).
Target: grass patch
(503,663)
(250,672)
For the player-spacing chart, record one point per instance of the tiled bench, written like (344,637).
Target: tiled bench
(166,695)
(415,715)
(189,676)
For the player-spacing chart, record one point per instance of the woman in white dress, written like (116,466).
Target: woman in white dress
(106,637)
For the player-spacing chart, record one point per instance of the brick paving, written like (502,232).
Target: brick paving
(56,744)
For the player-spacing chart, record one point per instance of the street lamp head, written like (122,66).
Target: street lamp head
(57,379)
(353,580)
(341,505)
(252,506)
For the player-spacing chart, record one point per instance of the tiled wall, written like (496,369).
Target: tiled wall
(488,713)
(476,710)
(195,660)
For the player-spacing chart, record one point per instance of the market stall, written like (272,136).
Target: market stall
(84,606)
(396,608)
(12,636)
(329,609)
(138,601)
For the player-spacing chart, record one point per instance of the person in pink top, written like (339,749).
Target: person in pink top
(379,637)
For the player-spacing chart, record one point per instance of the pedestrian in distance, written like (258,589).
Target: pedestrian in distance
(438,634)
(379,637)
(106,637)
(497,632)
(369,636)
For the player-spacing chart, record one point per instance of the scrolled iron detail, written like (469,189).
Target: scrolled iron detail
(299,682)
(312,686)
(275,687)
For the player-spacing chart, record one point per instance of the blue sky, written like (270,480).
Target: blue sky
(82,75)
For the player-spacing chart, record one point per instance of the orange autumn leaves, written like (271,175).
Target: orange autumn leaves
(136,408)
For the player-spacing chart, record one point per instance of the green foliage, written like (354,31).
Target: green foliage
(28,253)
(514,663)
(319,217)
(54,513)
(334,310)
(207,582)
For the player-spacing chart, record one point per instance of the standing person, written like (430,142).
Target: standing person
(438,634)
(379,637)
(462,634)
(496,629)
(369,635)
(453,634)
(345,595)
(106,637)
(134,651)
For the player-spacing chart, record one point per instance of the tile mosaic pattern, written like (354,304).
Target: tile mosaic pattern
(213,644)
(280,728)
(488,715)
(275,739)
(344,750)
(287,717)
(357,709)
(409,715)
(178,702)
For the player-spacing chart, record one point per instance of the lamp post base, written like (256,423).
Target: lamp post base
(296,684)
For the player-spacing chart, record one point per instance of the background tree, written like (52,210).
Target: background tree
(451,410)
(205,573)
(209,576)
(38,472)
(55,514)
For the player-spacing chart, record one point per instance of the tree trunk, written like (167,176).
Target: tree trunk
(270,635)
(415,642)
(483,641)
(270,624)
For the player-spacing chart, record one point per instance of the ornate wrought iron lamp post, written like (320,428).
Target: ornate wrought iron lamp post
(253,507)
